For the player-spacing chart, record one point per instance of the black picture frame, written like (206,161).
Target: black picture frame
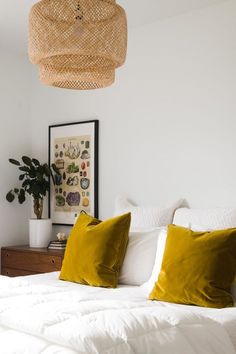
(93,126)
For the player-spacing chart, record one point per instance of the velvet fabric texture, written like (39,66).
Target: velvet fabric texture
(95,251)
(198,268)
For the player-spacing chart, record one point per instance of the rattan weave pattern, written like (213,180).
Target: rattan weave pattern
(77,44)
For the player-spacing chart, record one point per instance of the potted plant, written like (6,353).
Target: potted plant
(35,181)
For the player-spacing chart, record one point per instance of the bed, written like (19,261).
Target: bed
(40,314)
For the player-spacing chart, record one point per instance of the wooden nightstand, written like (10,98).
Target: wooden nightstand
(23,260)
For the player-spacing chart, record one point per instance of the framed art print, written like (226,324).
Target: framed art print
(74,150)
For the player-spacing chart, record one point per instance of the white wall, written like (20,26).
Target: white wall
(167,127)
(15,141)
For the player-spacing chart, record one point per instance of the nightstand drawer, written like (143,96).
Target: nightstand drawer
(31,261)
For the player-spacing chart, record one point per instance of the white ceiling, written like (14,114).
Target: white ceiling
(14,14)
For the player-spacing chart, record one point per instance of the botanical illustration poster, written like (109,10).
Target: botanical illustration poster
(74,156)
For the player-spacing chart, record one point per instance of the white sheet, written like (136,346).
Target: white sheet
(40,314)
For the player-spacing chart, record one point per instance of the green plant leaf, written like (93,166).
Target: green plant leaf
(10,197)
(21,196)
(47,170)
(21,177)
(16,190)
(39,176)
(40,169)
(36,188)
(55,169)
(45,187)
(29,191)
(27,160)
(25,183)
(14,162)
(36,162)
(24,169)
(32,173)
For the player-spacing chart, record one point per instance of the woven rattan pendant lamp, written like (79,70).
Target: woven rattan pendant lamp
(77,44)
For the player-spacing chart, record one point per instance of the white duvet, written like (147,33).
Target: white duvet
(40,314)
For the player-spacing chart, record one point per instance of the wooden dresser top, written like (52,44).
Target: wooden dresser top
(28,249)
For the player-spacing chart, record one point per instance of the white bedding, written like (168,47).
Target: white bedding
(40,314)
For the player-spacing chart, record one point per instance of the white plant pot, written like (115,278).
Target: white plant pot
(40,232)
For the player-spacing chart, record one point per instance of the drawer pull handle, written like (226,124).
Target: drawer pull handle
(53,261)
(7,273)
(7,255)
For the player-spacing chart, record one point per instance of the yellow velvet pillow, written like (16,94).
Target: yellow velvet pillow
(95,251)
(198,268)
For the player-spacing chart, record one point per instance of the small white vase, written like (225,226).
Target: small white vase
(40,232)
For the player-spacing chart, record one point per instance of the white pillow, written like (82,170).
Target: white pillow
(146,217)
(161,244)
(206,219)
(140,257)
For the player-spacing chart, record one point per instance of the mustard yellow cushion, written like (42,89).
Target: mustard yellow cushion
(198,268)
(95,251)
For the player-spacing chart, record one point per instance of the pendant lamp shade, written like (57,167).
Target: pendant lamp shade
(77,44)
